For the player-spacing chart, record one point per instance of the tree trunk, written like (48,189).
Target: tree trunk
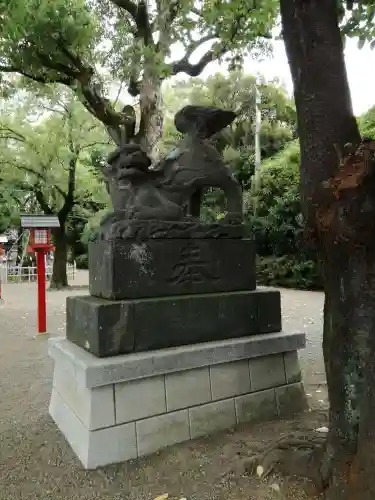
(341,225)
(59,275)
(151,120)
(19,246)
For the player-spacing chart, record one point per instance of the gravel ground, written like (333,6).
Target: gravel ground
(36,463)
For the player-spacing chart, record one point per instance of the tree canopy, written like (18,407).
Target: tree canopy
(45,164)
(86,45)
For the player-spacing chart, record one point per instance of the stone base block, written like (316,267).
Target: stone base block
(116,409)
(109,328)
(125,269)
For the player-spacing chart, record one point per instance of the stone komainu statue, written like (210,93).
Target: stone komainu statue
(171,190)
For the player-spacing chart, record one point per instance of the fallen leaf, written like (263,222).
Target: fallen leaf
(162,497)
(322,429)
(260,471)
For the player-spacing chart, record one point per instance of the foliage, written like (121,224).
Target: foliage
(278,223)
(92,225)
(274,214)
(237,92)
(87,44)
(366,123)
(273,209)
(45,159)
(82,261)
(289,272)
(357,18)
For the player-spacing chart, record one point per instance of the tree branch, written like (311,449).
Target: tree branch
(69,199)
(65,80)
(174,9)
(86,146)
(37,174)
(129,6)
(11,134)
(184,66)
(57,66)
(139,14)
(80,80)
(42,201)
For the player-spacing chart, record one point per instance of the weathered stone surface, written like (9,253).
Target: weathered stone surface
(100,327)
(139,399)
(166,190)
(94,407)
(156,229)
(267,372)
(291,399)
(159,432)
(153,380)
(187,388)
(230,379)
(269,311)
(256,407)
(93,448)
(212,417)
(123,269)
(292,367)
(91,371)
(107,328)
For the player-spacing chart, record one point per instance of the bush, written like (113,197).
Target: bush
(273,210)
(82,261)
(273,205)
(289,272)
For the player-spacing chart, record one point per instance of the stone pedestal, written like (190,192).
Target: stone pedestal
(173,342)
(120,408)
(109,328)
(131,269)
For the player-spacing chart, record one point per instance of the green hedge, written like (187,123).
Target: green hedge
(82,261)
(277,225)
(289,272)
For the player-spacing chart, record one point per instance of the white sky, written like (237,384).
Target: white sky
(360,65)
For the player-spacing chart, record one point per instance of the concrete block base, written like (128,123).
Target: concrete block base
(120,408)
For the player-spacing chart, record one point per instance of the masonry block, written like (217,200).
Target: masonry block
(159,432)
(292,367)
(212,417)
(112,445)
(267,371)
(93,448)
(291,399)
(137,396)
(230,379)
(256,407)
(95,408)
(130,269)
(140,399)
(70,426)
(269,311)
(92,371)
(108,328)
(188,388)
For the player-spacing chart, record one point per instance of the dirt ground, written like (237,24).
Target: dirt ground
(36,462)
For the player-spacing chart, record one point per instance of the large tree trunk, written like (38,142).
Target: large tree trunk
(59,273)
(342,227)
(151,120)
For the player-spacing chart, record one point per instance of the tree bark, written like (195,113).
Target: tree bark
(59,278)
(341,225)
(19,246)
(151,119)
